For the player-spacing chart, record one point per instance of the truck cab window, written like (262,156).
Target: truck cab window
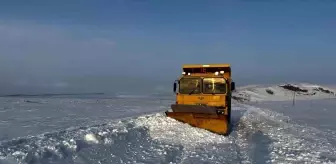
(214,85)
(190,86)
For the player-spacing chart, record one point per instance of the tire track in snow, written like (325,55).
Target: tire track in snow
(285,140)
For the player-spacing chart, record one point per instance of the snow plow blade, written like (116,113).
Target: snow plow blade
(204,117)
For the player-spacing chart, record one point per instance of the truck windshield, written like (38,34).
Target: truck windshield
(190,86)
(214,85)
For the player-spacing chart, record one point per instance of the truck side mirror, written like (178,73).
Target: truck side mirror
(175,86)
(233,86)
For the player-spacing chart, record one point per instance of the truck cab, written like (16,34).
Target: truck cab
(208,84)
(204,89)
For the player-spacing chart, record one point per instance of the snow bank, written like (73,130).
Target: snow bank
(282,92)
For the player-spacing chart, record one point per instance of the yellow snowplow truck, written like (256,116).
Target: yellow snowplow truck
(203,97)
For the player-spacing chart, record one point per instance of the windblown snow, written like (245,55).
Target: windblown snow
(267,128)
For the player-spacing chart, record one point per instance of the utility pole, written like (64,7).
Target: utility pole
(293,98)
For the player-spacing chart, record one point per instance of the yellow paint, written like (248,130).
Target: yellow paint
(216,98)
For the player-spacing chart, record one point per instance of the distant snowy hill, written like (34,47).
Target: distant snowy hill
(282,92)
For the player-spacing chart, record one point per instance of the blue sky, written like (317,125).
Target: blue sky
(264,41)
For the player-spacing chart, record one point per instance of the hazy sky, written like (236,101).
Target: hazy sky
(264,41)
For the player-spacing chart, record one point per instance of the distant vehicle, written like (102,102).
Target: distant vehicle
(203,97)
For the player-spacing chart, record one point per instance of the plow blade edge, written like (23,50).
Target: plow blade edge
(207,118)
